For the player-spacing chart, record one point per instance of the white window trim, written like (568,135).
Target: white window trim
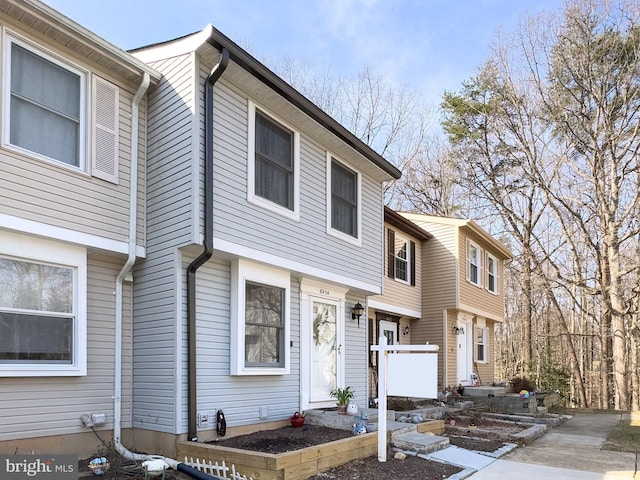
(471,245)
(251,166)
(330,230)
(10,38)
(241,272)
(397,236)
(495,274)
(74,257)
(485,348)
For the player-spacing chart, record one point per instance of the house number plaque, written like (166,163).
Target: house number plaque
(324,291)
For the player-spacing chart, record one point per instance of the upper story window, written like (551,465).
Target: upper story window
(474,263)
(45,109)
(401,257)
(42,304)
(260,320)
(46,106)
(492,273)
(273,164)
(343,199)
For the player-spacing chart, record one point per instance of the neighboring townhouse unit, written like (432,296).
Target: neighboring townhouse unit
(72,177)
(462,298)
(392,313)
(265,221)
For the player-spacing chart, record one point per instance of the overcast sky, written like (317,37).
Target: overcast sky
(430,45)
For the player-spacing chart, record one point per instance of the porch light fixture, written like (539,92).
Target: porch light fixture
(458,330)
(356,312)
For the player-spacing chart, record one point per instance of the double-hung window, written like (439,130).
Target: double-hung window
(481,343)
(45,109)
(343,201)
(46,106)
(401,257)
(492,273)
(273,164)
(260,325)
(42,305)
(474,263)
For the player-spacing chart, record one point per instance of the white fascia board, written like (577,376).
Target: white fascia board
(174,48)
(293,266)
(22,225)
(387,307)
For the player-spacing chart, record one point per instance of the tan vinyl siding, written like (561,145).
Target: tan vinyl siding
(486,370)
(35,407)
(452,350)
(478,296)
(48,193)
(399,293)
(438,285)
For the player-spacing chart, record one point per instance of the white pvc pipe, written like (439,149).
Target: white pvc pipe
(131,259)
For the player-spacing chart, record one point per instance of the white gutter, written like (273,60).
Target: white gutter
(131,259)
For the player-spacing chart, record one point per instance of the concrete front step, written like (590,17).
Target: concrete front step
(419,442)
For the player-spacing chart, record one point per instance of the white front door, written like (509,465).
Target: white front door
(389,330)
(326,349)
(463,337)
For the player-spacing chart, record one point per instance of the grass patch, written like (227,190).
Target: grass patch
(623,438)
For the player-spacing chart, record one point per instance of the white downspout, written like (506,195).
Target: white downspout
(131,259)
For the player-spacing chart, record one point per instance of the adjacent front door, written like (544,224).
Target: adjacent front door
(326,349)
(389,330)
(322,344)
(463,336)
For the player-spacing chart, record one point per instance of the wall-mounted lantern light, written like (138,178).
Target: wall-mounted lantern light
(356,312)
(405,330)
(458,330)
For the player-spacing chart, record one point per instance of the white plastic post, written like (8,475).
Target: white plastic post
(383,384)
(382,398)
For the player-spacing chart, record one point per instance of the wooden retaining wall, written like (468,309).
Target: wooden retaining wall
(295,465)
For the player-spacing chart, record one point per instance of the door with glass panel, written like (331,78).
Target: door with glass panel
(326,349)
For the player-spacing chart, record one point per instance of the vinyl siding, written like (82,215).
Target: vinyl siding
(37,407)
(356,354)
(399,293)
(452,351)
(475,296)
(239,397)
(305,241)
(156,380)
(51,194)
(438,284)
(486,370)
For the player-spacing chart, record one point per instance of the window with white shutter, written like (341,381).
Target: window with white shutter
(105,130)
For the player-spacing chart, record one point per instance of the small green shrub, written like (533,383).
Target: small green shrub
(517,384)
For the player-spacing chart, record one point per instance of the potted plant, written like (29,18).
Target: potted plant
(343,396)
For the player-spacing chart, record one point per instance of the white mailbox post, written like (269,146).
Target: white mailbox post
(403,374)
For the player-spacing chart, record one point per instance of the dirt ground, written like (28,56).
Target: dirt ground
(289,438)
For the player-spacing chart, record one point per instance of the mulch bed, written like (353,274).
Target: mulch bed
(287,439)
(411,468)
(284,439)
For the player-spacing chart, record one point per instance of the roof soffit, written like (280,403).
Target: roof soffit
(58,29)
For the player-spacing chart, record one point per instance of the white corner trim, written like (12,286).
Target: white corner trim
(51,232)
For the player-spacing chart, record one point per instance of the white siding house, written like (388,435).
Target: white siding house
(265,227)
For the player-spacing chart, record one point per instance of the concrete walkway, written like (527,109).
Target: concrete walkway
(570,451)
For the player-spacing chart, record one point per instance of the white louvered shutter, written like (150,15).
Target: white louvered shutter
(105,130)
